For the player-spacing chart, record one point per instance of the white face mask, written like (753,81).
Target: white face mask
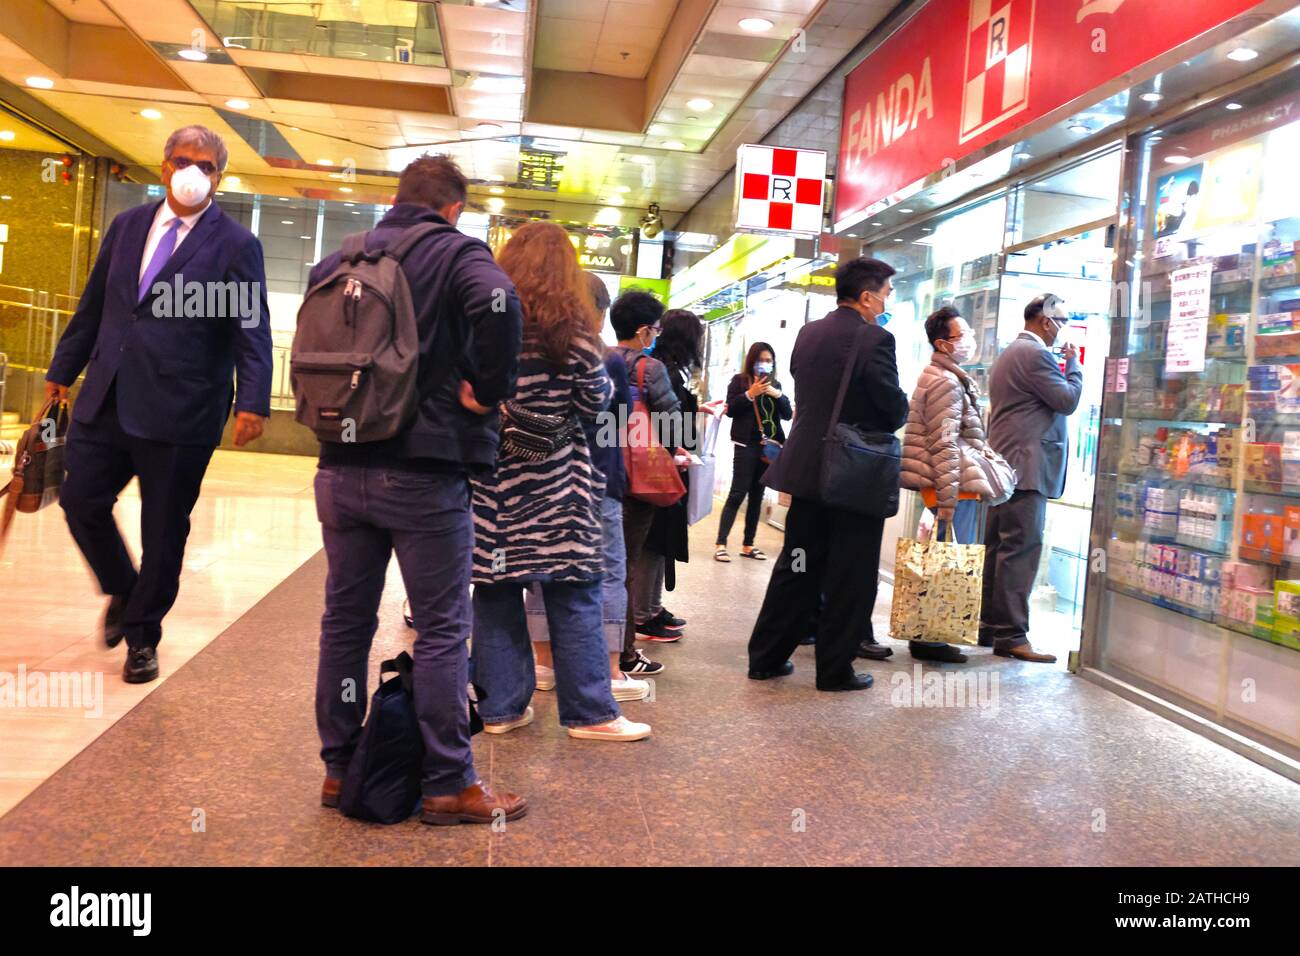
(190,186)
(963,350)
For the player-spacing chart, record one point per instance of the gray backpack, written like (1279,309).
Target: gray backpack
(356,350)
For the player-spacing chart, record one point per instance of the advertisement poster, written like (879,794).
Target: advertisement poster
(1230,188)
(1189,316)
(1178,197)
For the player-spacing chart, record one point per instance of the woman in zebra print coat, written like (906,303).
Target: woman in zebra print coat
(537,517)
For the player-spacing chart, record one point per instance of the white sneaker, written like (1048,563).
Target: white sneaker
(545,677)
(620,728)
(629,689)
(510,725)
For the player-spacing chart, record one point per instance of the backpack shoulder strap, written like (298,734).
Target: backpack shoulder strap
(354,247)
(402,246)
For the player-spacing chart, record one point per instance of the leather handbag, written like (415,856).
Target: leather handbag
(860,469)
(38,465)
(652,474)
(533,436)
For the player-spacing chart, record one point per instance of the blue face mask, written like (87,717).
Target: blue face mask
(649,349)
(883,318)
(763,368)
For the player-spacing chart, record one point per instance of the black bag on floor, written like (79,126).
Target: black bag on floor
(383,779)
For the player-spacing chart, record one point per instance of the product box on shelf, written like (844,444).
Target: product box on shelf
(1262,537)
(1264,462)
(1286,608)
(1245,575)
(1226,335)
(1277,334)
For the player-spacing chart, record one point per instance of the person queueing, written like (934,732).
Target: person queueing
(681,349)
(636,316)
(942,418)
(607,456)
(537,515)
(757,408)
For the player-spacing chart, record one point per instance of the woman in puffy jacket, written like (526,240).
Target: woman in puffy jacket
(943,416)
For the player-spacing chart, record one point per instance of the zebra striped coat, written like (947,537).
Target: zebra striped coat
(540,521)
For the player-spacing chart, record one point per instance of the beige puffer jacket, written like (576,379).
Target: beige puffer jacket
(942,409)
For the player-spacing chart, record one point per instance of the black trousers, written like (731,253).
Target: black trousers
(831,555)
(747,470)
(637,518)
(1013,544)
(101,459)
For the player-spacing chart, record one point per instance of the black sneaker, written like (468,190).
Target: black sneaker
(640,666)
(665,616)
(657,632)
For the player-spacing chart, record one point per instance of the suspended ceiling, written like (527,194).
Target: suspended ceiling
(596,107)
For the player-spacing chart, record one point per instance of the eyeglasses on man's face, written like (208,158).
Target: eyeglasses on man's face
(206,167)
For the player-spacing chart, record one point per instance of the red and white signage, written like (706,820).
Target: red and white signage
(964,73)
(779,190)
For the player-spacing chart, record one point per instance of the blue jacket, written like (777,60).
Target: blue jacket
(469,317)
(607,457)
(172,375)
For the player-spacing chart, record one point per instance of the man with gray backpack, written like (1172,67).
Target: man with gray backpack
(407,339)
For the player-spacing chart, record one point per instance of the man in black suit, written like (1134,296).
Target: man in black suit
(830,553)
(174,308)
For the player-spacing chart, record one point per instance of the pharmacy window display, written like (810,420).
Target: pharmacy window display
(1205,450)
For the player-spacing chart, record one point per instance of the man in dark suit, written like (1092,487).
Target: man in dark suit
(175,307)
(830,553)
(1029,399)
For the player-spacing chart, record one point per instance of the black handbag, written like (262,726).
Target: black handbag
(860,469)
(383,779)
(533,436)
(38,465)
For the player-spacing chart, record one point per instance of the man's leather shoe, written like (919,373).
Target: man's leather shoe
(941,653)
(1025,652)
(329,792)
(872,651)
(475,804)
(856,682)
(141,665)
(785,670)
(113,620)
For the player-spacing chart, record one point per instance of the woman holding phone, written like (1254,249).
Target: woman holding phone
(757,408)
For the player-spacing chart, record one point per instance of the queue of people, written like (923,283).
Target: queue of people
(497,474)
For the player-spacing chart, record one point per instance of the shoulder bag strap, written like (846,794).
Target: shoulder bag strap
(844,383)
(411,236)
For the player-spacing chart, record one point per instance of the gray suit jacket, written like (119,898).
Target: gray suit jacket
(1029,400)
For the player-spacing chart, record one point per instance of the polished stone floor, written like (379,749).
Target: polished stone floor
(219,765)
(254,524)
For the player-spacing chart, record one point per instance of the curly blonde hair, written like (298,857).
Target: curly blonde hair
(559,311)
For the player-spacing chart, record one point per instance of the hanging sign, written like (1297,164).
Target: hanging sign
(780,190)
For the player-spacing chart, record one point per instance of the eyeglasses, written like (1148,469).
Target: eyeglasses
(184,162)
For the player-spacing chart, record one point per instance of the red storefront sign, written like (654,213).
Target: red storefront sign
(963,73)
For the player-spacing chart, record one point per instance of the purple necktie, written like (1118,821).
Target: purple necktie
(166,246)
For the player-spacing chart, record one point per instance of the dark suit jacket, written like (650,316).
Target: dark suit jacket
(873,400)
(172,375)
(1029,400)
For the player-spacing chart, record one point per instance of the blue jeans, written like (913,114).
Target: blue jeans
(503,654)
(366,514)
(613,589)
(965,525)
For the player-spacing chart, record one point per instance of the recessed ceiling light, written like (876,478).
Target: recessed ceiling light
(898,240)
(674,144)
(233,180)
(614,201)
(496,191)
(286,222)
(7,135)
(1242,54)
(151,114)
(345,189)
(6,198)
(238,104)
(192,54)
(324,162)
(1232,106)
(1080,128)
(40,82)
(700,104)
(304,237)
(349,204)
(1177,160)
(355,213)
(905,211)
(877,223)
(282,198)
(755,25)
(639,159)
(852,235)
(1023,157)
(496,205)
(1151,97)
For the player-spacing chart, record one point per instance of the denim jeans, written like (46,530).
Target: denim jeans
(613,589)
(503,654)
(366,514)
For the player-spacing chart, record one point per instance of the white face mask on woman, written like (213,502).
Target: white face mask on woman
(963,350)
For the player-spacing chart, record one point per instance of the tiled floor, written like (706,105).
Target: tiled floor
(1052,771)
(255,523)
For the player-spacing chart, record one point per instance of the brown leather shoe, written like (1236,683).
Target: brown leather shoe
(329,792)
(476,804)
(1025,652)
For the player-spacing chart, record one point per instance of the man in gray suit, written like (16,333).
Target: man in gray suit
(1029,400)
